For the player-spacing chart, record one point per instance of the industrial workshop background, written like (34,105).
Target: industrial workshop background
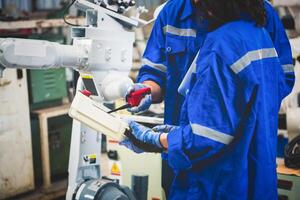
(35,129)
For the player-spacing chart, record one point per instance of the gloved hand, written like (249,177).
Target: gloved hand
(145,134)
(142,139)
(146,101)
(164,128)
(128,144)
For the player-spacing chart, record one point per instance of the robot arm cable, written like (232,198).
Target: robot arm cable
(65,10)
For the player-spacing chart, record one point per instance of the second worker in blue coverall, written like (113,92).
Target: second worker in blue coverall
(225,145)
(177,36)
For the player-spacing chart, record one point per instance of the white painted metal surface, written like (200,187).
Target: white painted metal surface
(16,167)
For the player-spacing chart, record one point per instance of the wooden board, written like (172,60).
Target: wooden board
(42,23)
(282,169)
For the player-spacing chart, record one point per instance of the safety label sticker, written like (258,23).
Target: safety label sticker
(86,76)
(90,159)
(115,170)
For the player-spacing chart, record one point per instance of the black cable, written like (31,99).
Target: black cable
(65,11)
(292,153)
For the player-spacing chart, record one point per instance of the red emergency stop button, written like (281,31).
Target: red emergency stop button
(86,93)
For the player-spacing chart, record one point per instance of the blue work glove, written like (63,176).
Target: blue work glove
(164,128)
(142,139)
(145,102)
(145,134)
(128,144)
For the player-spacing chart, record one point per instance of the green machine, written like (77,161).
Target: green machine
(47,88)
(59,145)
(288,187)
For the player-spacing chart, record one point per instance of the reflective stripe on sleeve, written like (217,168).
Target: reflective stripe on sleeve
(211,134)
(180,32)
(252,56)
(288,68)
(194,68)
(153,65)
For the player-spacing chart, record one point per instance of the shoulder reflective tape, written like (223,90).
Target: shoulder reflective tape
(252,56)
(288,68)
(211,134)
(156,66)
(180,32)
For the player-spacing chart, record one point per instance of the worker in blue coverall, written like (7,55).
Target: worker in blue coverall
(176,38)
(225,144)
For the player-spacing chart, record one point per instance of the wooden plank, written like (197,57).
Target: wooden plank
(282,169)
(42,23)
(43,121)
(54,111)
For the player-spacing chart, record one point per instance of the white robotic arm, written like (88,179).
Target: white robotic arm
(38,54)
(102,49)
(110,81)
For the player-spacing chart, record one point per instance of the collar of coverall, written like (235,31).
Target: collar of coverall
(188,9)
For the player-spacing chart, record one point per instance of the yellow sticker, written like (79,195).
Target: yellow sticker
(90,159)
(115,169)
(86,76)
(93,156)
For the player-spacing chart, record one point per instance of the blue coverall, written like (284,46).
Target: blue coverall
(176,38)
(174,42)
(220,151)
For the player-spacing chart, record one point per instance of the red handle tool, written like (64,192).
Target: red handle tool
(134,98)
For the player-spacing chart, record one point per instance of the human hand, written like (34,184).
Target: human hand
(145,102)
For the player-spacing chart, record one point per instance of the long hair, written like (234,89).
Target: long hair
(219,12)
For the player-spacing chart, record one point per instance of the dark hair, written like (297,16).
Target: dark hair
(219,12)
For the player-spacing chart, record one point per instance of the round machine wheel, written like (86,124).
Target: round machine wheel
(101,189)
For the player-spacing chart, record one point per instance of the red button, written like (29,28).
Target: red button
(86,93)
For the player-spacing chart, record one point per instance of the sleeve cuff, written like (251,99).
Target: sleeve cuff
(149,77)
(148,74)
(178,160)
